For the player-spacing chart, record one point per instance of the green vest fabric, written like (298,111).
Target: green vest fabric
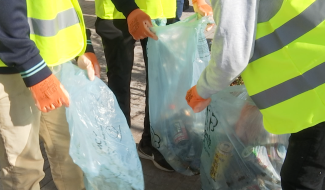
(285,76)
(58,30)
(105,9)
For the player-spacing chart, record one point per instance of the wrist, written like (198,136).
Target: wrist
(132,12)
(127,10)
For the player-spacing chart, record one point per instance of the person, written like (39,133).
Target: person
(179,10)
(34,37)
(120,23)
(278,47)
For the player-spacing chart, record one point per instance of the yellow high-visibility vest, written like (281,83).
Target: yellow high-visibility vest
(286,75)
(58,30)
(105,9)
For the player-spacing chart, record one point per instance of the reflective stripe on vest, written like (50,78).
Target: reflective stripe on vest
(285,76)
(58,30)
(51,27)
(105,9)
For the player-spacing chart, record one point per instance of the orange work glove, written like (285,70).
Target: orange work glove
(201,7)
(196,102)
(139,23)
(49,94)
(88,61)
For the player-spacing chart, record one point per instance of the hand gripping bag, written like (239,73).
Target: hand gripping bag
(175,62)
(238,153)
(101,142)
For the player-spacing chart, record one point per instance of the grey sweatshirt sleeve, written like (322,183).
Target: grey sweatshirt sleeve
(232,44)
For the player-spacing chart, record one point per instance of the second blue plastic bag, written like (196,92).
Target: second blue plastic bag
(101,142)
(238,153)
(175,63)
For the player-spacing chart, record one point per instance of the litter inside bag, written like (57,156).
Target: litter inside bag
(101,142)
(175,63)
(238,152)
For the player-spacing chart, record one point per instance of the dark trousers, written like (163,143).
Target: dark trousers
(304,166)
(118,47)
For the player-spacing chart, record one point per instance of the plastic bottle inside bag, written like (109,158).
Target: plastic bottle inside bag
(194,155)
(258,160)
(181,135)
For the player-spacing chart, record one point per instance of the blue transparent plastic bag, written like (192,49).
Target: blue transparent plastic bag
(238,153)
(175,63)
(101,142)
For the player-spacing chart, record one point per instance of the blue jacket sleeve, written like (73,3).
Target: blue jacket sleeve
(16,49)
(125,6)
(89,47)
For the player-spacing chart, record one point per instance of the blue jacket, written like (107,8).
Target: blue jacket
(17,51)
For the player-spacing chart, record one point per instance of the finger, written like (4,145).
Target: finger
(150,34)
(49,108)
(97,69)
(82,62)
(91,72)
(37,104)
(58,103)
(65,99)
(201,12)
(40,108)
(43,109)
(209,27)
(52,106)
(207,9)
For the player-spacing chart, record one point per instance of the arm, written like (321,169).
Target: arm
(19,52)
(88,61)
(125,6)
(232,47)
(89,48)
(138,21)
(232,44)
(16,48)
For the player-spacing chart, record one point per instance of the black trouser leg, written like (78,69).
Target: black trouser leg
(146,135)
(119,53)
(304,166)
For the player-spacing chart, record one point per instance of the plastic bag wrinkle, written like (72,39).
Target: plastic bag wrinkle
(175,63)
(256,156)
(101,142)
